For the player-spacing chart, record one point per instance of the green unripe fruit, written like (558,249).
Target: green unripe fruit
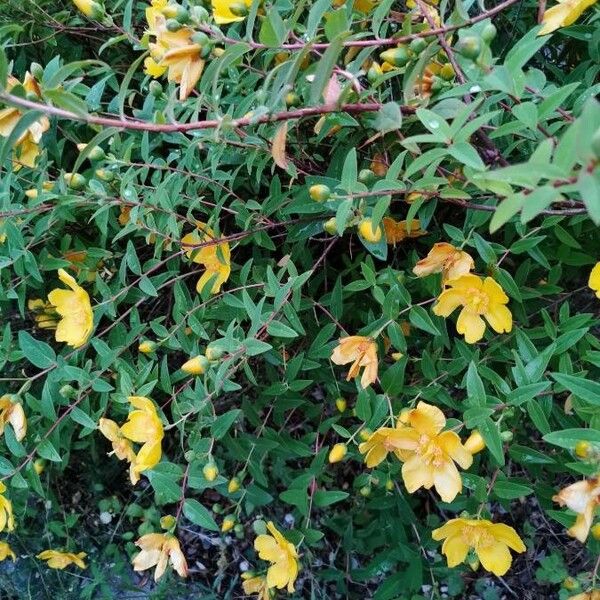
(447,72)
(173,25)
(292,99)
(201,39)
(418,45)
(75,181)
(469,47)
(183,15)
(488,33)
(366,176)
(330,226)
(398,57)
(36,70)
(239,9)
(437,84)
(319,192)
(199,14)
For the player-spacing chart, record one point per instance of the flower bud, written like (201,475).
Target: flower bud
(474,564)
(147,347)
(389,485)
(39,465)
(233,485)
(447,72)
(95,153)
(196,365)
(488,33)
(469,47)
(199,14)
(337,453)
(213,352)
(367,233)
(366,176)
(341,404)
(319,192)
(374,72)
(217,508)
(506,436)
(396,356)
(67,391)
(239,531)
(474,443)
(571,584)
(210,471)
(365,491)
(330,226)
(173,25)
(596,531)
(404,415)
(36,70)
(418,45)
(292,99)
(398,57)
(104,175)
(582,448)
(168,522)
(259,527)
(75,181)
(228,523)
(365,434)
(89,8)
(239,9)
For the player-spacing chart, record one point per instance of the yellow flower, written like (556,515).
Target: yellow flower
(398,231)
(444,258)
(283,556)
(44,315)
(7,519)
(381,442)
(361,352)
(6,551)
(228,523)
(475,443)
(13,413)
(563,14)
(368,233)
(175,53)
(122,447)
(160,549)
(490,541)
(590,595)
(61,560)
(223,14)
(147,347)
(431,453)
(143,426)
(26,147)
(255,584)
(594,281)
(216,258)
(582,498)
(196,365)
(479,298)
(75,327)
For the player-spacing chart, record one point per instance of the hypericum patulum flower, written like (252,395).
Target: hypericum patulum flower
(122,447)
(26,147)
(13,413)
(61,560)
(143,426)
(594,281)
(160,549)
(398,231)
(444,258)
(582,498)
(6,551)
(256,584)
(216,258)
(7,519)
(223,14)
(77,322)
(589,595)
(431,452)
(173,52)
(563,14)
(479,298)
(490,542)
(283,558)
(381,442)
(361,352)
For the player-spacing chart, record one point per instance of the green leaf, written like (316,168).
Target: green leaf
(509,490)
(326,498)
(199,515)
(585,389)
(325,68)
(420,318)
(273,30)
(38,353)
(255,347)
(388,117)
(47,450)
(279,329)
(223,423)
(493,441)
(568,438)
